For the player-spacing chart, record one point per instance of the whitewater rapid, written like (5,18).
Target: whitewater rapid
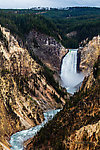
(17,140)
(70,78)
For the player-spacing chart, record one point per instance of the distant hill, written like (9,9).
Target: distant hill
(84,21)
(28,86)
(72,12)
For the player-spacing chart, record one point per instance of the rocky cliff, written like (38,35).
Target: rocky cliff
(89,55)
(77,126)
(46,48)
(27,89)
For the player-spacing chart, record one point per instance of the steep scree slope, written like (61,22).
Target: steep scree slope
(46,48)
(77,126)
(25,88)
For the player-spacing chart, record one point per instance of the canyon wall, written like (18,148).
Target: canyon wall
(89,55)
(77,126)
(26,88)
(49,51)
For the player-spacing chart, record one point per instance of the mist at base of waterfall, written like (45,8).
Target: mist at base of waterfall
(70,79)
(72,84)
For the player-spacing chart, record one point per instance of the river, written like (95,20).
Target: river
(19,138)
(71,80)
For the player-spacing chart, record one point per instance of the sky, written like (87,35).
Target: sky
(47,3)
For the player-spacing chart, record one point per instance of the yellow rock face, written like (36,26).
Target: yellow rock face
(86,137)
(89,55)
(24,91)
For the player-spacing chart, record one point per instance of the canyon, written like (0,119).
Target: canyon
(77,126)
(27,88)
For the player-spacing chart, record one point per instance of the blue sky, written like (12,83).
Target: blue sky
(47,3)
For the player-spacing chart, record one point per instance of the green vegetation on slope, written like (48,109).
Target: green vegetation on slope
(81,110)
(49,75)
(3,39)
(22,24)
(84,21)
(72,11)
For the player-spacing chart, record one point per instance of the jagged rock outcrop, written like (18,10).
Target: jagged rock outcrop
(77,127)
(26,90)
(47,49)
(89,55)
(71,34)
(86,137)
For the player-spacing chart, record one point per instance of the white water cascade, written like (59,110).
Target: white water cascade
(17,140)
(70,79)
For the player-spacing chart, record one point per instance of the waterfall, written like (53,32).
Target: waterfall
(69,76)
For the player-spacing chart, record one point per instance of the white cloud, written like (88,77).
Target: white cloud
(49,3)
(88,2)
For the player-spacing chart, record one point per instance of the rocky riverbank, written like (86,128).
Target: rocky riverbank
(27,88)
(78,124)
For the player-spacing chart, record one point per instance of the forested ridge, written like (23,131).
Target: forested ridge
(22,24)
(69,27)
